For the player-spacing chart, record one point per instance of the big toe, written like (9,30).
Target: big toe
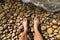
(25,19)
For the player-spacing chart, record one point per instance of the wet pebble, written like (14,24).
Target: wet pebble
(5,26)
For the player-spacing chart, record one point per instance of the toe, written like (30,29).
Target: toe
(35,18)
(25,19)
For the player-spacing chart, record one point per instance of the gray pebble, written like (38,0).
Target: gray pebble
(5,26)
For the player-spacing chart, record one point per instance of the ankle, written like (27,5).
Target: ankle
(25,30)
(36,30)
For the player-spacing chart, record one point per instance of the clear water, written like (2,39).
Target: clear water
(49,5)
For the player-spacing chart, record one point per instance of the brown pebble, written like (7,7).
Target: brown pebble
(54,26)
(43,27)
(1,28)
(4,21)
(59,31)
(58,36)
(59,22)
(13,34)
(0,32)
(10,35)
(50,30)
(17,20)
(55,30)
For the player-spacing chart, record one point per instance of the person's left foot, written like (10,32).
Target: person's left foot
(36,23)
(25,24)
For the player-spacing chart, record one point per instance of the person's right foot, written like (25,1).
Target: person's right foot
(36,23)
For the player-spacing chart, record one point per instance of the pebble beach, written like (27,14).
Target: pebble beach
(12,13)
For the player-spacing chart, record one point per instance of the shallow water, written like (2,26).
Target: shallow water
(49,5)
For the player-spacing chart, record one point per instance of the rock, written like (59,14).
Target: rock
(0,32)
(45,34)
(14,31)
(21,26)
(15,37)
(32,30)
(4,32)
(9,35)
(56,30)
(15,26)
(15,14)
(5,26)
(54,21)
(11,21)
(4,21)
(55,33)
(1,28)
(43,27)
(3,35)
(49,30)
(18,20)
(13,34)
(50,35)
(54,26)
(58,36)
(59,22)
(59,31)
(4,38)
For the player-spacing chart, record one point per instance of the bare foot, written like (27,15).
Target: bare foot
(36,23)
(25,24)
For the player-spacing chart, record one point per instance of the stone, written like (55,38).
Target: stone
(58,36)
(54,21)
(13,34)
(11,21)
(4,21)
(43,27)
(50,35)
(58,22)
(59,31)
(17,20)
(14,31)
(54,26)
(50,30)
(5,26)
(1,28)
(9,35)
(55,30)
(0,32)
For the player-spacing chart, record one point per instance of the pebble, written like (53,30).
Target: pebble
(14,31)
(13,34)
(58,36)
(54,26)
(49,30)
(4,21)
(59,31)
(55,30)
(5,26)
(1,28)
(43,27)
(50,35)
(0,32)
(54,21)
(59,22)
(17,20)
(4,32)
(11,21)
(9,35)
